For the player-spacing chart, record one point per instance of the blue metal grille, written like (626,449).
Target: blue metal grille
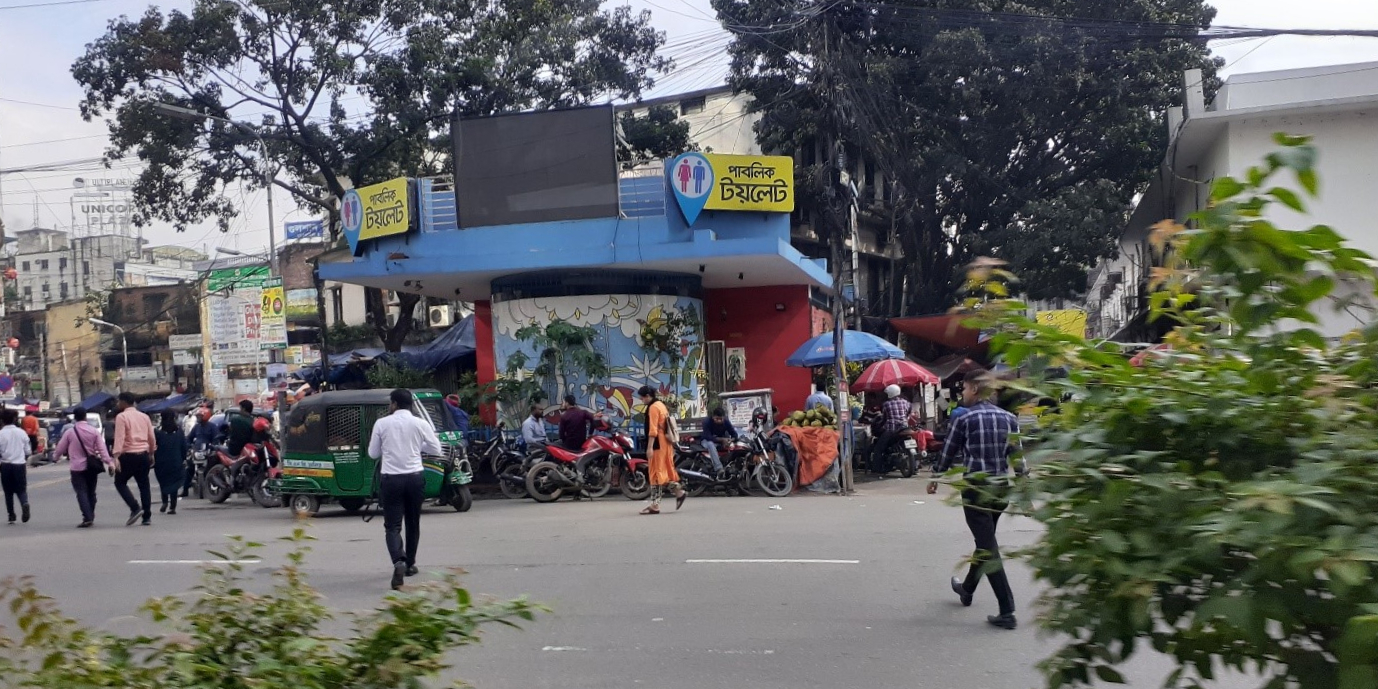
(641,192)
(437,199)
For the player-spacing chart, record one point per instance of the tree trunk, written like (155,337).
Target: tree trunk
(392,337)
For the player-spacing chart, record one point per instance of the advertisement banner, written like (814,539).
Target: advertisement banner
(750,183)
(304,229)
(273,316)
(235,307)
(301,305)
(184,342)
(246,277)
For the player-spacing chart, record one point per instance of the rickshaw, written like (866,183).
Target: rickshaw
(325,452)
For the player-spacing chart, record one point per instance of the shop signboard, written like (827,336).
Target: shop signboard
(1067,321)
(273,316)
(235,307)
(301,305)
(184,342)
(741,404)
(304,229)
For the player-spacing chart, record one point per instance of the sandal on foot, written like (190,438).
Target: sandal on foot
(679,499)
(651,510)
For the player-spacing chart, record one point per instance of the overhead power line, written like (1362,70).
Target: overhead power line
(50,3)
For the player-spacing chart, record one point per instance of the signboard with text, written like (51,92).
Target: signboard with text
(235,308)
(304,229)
(378,210)
(273,316)
(716,182)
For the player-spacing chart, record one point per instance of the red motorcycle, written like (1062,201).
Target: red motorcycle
(588,472)
(248,473)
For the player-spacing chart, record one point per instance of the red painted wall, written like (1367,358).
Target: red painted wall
(747,317)
(485,360)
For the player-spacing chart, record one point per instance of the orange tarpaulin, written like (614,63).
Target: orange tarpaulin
(817,451)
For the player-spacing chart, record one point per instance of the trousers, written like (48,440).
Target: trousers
(135,466)
(402,496)
(711,449)
(14,478)
(84,485)
(983,514)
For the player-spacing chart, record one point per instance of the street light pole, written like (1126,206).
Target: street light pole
(267,172)
(124,349)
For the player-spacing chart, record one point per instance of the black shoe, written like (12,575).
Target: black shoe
(962,592)
(163,509)
(1002,621)
(133,517)
(12,520)
(148,522)
(413,571)
(172,511)
(399,573)
(24,516)
(85,525)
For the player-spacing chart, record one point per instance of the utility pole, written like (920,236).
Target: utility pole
(66,375)
(43,360)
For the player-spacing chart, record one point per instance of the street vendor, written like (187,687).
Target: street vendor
(716,429)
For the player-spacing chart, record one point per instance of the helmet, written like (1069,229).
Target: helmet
(453,399)
(892,391)
(203,414)
(759,416)
(261,425)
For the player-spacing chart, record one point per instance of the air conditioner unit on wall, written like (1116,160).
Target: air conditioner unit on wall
(392,320)
(440,316)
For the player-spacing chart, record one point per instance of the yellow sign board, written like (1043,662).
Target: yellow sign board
(751,183)
(386,209)
(1068,321)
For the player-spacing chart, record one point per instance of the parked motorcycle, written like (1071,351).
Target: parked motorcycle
(248,473)
(588,472)
(901,455)
(748,464)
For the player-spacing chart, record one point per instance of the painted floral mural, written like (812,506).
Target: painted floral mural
(619,320)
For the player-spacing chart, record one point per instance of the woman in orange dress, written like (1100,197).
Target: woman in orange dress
(660,452)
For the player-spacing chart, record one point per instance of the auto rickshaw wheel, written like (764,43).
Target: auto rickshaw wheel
(304,506)
(352,505)
(463,499)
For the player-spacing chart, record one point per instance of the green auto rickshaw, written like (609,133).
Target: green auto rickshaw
(325,452)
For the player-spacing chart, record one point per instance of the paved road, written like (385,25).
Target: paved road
(631,606)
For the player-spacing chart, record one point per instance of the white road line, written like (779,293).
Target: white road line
(194,562)
(773,562)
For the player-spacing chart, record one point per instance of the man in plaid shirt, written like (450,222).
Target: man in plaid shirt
(896,413)
(980,440)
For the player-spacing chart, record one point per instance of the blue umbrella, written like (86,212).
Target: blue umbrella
(858,346)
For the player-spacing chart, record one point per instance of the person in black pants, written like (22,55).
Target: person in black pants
(14,457)
(398,441)
(981,440)
(85,450)
(134,447)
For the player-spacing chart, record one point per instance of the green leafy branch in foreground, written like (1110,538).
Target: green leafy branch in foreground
(1216,502)
(227,636)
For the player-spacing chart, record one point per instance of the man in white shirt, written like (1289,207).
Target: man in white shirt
(14,457)
(533,430)
(399,439)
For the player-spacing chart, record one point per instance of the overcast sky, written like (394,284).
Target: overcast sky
(38,46)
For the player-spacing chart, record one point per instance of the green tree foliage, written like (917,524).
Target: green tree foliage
(563,351)
(666,336)
(231,635)
(1020,130)
(658,135)
(344,94)
(1216,502)
(386,376)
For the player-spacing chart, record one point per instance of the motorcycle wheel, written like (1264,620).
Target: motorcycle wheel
(598,478)
(774,480)
(698,463)
(304,506)
(744,484)
(512,481)
(352,505)
(544,482)
(218,484)
(463,499)
(909,465)
(262,494)
(636,485)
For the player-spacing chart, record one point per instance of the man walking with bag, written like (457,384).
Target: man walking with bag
(980,440)
(398,441)
(87,458)
(134,448)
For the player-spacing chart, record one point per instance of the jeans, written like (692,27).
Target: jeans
(879,448)
(711,449)
(983,514)
(14,479)
(402,496)
(135,466)
(84,484)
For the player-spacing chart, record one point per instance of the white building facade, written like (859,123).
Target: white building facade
(1335,105)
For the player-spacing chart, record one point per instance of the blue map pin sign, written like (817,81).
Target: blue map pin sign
(691,178)
(352,219)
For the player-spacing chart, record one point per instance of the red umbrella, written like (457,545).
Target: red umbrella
(893,372)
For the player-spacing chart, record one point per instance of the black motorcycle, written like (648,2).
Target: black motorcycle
(748,464)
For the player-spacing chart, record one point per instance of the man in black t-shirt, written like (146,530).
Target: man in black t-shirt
(576,423)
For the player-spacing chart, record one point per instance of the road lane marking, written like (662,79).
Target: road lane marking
(773,562)
(563,648)
(194,562)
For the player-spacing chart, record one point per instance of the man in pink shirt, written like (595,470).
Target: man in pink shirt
(134,447)
(88,459)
